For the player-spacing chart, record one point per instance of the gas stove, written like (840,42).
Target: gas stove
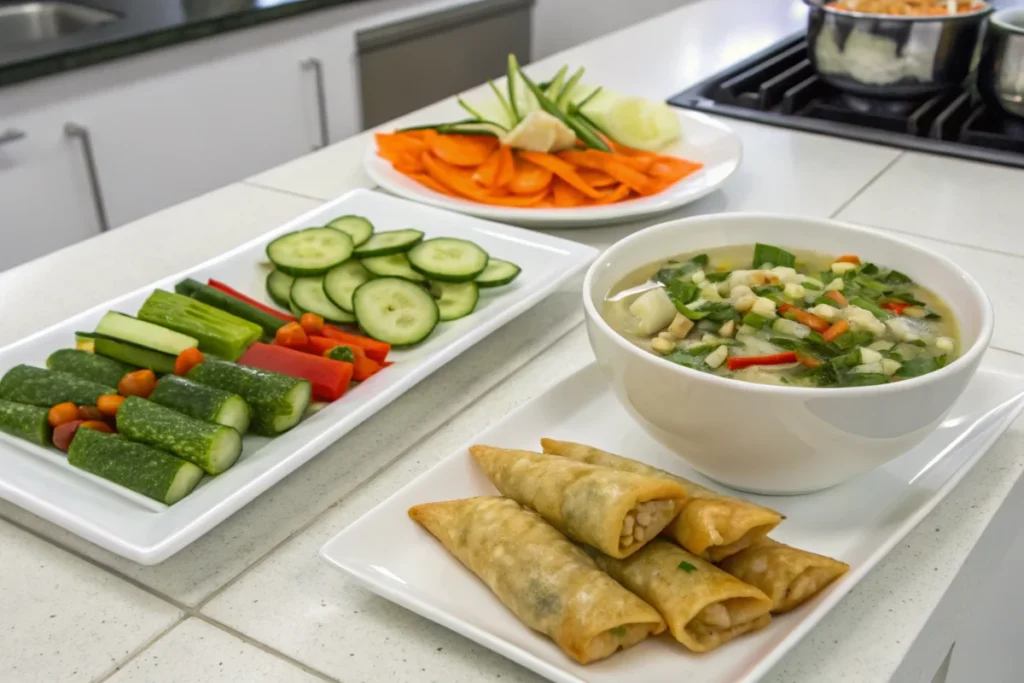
(780,87)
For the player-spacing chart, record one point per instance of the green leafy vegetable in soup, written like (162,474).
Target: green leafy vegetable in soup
(775,315)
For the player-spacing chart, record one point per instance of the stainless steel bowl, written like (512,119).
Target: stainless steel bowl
(888,56)
(1001,73)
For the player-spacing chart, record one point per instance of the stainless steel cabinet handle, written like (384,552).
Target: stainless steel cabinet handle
(73,130)
(317,67)
(11,135)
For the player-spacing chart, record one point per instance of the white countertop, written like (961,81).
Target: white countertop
(251,601)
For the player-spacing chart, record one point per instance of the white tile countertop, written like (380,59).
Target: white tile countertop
(252,602)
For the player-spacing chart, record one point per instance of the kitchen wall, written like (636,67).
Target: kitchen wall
(561,24)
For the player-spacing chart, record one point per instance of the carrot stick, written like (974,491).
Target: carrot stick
(507,170)
(487,173)
(612,165)
(838,298)
(425,179)
(835,330)
(407,163)
(596,179)
(392,145)
(565,195)
(463,150)
(563,170)
(617,195)
(529,178)
(460,180)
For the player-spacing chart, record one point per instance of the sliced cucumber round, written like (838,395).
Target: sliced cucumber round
(395,265)
(498,273)
(341,282)
(448,259)
(390,242)
(307,295)
(395,311)
(455,299)
(279,286)
(312,251)
(356,227)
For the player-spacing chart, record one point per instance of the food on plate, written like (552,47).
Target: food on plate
(389,242)
(710,525)
(395,311)
(25,422)
(374,348)
(109,405)
(497,273)
(47,388)
(703,606)
(138,383)
(125,328)
(363,367)
(763,314)
(312,251)
(328,378)
(134,354)
(356,227)
(341,282)
(201,402)
(789,576)
(908,8)
(143,469)
(64,412)
(558,144)
(308,295)
(551,585)
(220,333)
(454,299)
(277,401)
(186,360)
(212,447)
(66,431)
(90,366)
(616,512)
(229,304)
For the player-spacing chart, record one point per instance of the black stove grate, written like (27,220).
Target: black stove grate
(779,86)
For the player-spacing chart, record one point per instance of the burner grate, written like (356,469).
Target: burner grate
(779,87)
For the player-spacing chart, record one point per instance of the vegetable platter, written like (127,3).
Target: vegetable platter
(556,153)
(177,404)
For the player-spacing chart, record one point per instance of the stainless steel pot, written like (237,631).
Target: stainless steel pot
(1001,73)
(890,55)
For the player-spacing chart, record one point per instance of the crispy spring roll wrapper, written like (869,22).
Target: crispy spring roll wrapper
(552,585)
(710,525)
(616,512)
(789,576)
(703,606)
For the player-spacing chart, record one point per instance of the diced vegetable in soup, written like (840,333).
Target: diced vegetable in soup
(766,314)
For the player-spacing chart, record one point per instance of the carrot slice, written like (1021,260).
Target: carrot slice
(673,168)
(407,162)
(565,195)
(612,165)
(463,150)
(563,169)
(529,178)
(460,180)
(617,195)
(425,179)
(596,179)
(392,145)
(507,170)
(487,173)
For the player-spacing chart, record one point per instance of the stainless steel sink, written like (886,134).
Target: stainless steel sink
(27,22)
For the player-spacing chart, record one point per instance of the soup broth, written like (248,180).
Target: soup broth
(764,314)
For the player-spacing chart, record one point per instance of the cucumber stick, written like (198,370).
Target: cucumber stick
(219,333)
(25,422)
(214,448)
(90,366)
(277,401)
(202,403)
(230,304)
(133,354)
(143,469)
(126,328)
(47,388)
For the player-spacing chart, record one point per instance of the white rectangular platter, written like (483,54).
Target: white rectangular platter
(41,481)
(858,522)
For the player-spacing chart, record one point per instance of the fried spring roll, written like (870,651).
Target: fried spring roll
(616,512)
(711,525)
(789,576)
(703,606)
(549,583)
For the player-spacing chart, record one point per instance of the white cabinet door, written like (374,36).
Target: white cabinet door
(44,193)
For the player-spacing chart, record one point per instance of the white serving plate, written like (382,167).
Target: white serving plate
(704,139)
(858,522)
(135,527)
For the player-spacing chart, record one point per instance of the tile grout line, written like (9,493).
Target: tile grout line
(865,186)
(374,476)
(135,655)
(252,183)
(942,240)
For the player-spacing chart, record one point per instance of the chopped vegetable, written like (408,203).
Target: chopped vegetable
(277,400)
(768,254)
(363,366)
(377,350)
(328,378)
(26,422)
(64,433)
(47,388)
(139,383)
(252,302)
(740,362)
(97,425)
(230,304)
(219,333)
(849,258)
(202,402)
(110,404)
(90,366)
(838,298)
(63,412)
(293,335)
(835,330)
(186,360)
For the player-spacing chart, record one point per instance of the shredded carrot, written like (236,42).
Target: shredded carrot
(562,169)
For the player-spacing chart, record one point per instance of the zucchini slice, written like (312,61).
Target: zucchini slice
(395,265)
(356,227)
(312,251)
(340,283)
(308,296)
(448,259)
(498,273)
(390,242)
(395,311)
(455,299)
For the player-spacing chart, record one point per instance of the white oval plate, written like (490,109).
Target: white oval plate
(705,140)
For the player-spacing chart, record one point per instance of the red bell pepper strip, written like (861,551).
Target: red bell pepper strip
(896,307)
(365,367)
(377,350)
(740,362)
(330,378)
(812,321)
(252,302)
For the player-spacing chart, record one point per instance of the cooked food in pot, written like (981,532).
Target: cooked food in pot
(908,8)
(764,314)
